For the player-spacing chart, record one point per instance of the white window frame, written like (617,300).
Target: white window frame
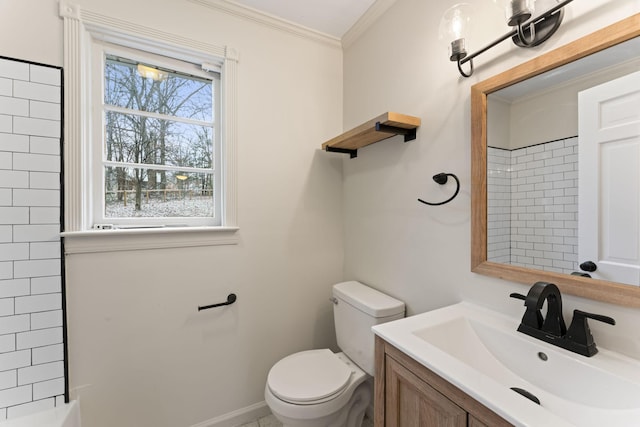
(100,50)
(81,29)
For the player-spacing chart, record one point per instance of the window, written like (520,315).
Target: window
(160,157)
(152,114)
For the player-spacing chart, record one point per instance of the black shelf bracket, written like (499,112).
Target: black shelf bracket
(409,134)
(351,153)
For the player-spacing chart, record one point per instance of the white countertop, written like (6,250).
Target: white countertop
(484,376)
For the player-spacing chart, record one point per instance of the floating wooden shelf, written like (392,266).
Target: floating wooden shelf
(382,127)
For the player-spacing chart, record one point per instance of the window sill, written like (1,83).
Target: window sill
(93,241)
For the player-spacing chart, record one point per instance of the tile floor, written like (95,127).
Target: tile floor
(268,421)
(271,421)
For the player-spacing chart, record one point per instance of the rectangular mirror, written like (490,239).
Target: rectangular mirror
(555,177)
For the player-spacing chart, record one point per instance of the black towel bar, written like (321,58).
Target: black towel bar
(441,179)
(231,298)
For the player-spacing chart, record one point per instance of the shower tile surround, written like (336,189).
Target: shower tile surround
(32,372)
(532,206)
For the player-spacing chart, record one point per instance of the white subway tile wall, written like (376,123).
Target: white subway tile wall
(499,205)
(541,184)
(31,317)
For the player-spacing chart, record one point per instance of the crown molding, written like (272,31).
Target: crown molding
(254,15)
(377,9)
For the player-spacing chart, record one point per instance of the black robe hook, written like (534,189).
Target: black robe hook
(441,179)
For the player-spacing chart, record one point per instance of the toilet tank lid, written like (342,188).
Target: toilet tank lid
(367,299)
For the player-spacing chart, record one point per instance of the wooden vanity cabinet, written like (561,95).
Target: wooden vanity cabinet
(407,394)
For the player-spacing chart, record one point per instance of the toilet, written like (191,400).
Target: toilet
(320,388)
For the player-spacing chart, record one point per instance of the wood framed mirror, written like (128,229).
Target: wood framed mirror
(625,31)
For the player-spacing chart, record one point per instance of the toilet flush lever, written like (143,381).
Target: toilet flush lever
(334,300)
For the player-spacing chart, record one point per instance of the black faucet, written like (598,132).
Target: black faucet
(551,328)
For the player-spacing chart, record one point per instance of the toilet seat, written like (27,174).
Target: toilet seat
(309,377)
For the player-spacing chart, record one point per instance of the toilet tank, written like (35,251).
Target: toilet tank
(356,309)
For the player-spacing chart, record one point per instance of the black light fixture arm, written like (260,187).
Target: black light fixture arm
(441,179)
(522,36)
(527,34)
(486,48)
(470,68)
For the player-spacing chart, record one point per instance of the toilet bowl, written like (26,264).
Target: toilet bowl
(318,388)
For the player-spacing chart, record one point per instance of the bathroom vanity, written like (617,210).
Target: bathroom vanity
(467,365)
(409,394)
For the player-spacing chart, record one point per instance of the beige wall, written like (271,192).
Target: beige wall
(139,352)
(498,123)
(417,253)
(31,31)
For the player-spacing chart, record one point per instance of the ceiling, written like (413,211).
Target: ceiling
(333,17)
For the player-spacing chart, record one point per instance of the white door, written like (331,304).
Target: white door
(609,179)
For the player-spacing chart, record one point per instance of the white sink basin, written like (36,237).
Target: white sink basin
(481,352)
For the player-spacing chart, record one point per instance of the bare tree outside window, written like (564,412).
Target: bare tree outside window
(159,142)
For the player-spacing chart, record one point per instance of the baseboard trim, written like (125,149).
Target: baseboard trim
(238,417)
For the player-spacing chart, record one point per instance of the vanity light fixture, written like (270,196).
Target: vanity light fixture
(455,26)
(530,30)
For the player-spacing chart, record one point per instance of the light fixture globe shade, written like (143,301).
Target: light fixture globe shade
(455,26)
(516,11)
